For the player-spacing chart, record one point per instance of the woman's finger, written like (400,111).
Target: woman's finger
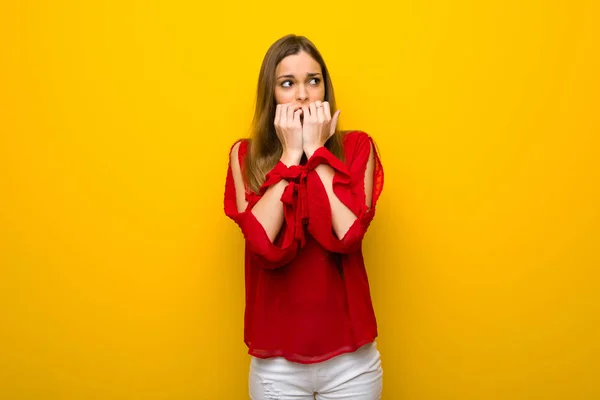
(297,115)
(334,122)
(290,114)
(277,114)
(320,112)
(283,115)
(305,112)
(327,111)
(313,111)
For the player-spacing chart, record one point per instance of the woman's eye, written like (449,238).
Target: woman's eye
(286,84)
(315,80)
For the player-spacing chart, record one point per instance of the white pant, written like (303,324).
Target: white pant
(356,376)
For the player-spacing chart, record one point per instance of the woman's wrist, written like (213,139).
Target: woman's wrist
(310,150)
(291,158)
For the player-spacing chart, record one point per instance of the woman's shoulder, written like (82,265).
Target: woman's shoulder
(355,138)
(240,146)
(354,135)
(239,150)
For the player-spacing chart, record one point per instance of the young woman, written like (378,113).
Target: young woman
(303,194)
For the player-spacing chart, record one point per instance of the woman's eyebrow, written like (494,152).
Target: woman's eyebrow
(309,75)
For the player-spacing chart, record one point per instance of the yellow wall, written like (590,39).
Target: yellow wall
(121,278)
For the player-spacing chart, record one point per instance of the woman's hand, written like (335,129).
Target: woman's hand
(318,126)
(289,131)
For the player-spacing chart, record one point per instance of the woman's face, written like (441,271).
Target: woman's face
(299,80)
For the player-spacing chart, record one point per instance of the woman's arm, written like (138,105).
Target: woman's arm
(269,209)
(272,249)
(342,217)
(343,195)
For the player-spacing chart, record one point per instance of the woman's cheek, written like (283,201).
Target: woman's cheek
(282,97)
(318,94)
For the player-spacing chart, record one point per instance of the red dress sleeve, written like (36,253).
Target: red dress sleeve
(348,186)
(285,246)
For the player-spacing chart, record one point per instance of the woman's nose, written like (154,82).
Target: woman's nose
(301,94)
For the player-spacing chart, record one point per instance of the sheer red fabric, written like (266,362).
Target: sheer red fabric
(307,292)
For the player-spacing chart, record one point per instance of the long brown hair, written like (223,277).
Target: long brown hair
(265,147)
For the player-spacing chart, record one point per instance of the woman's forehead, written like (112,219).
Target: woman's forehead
(301,63)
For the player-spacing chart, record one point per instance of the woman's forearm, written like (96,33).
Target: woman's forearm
(342,217)
(269,209)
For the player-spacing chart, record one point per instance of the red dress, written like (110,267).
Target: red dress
(307,292)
